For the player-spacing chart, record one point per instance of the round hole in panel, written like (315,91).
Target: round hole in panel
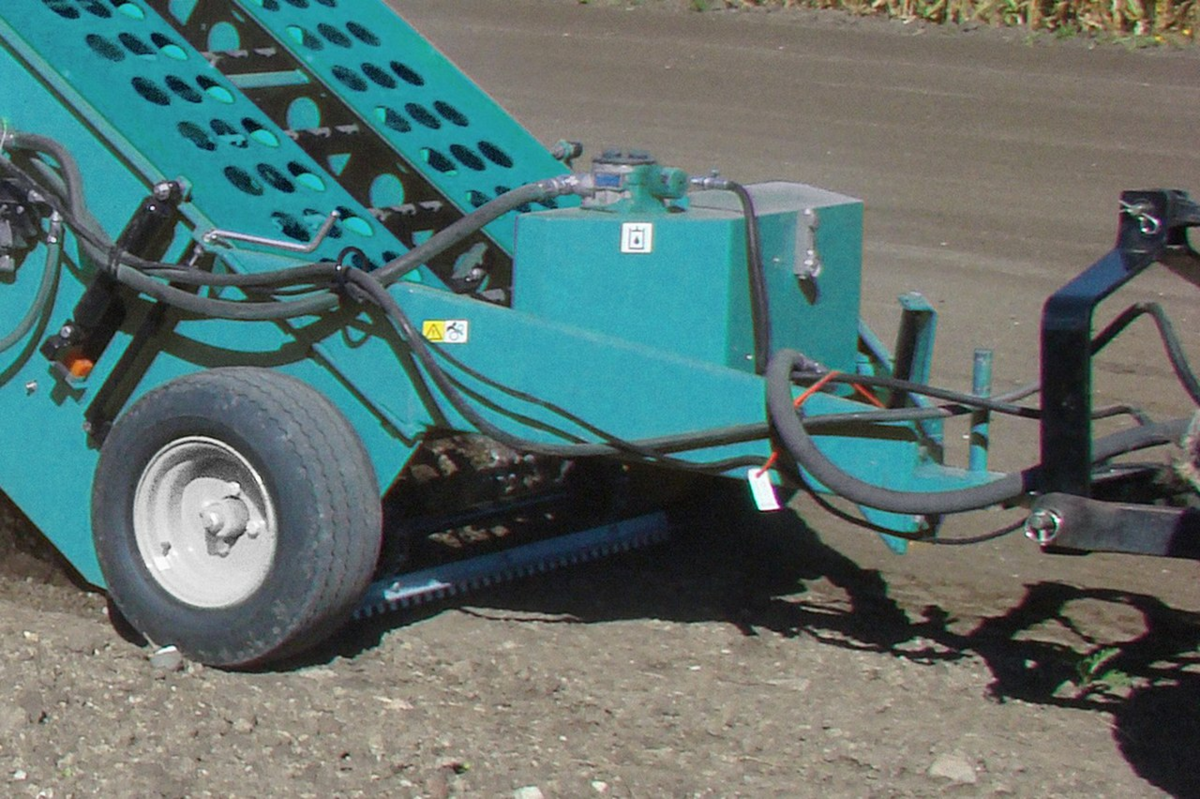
(63,8)
(326,3)
(349,78)
(215,90)
(297,3)
(104,48)
(494,154)
(387,191)
(392,119)
(333,35)
(355,224)
(196,135)
(304,37)
(130,10)
(466,156)
(96,8)
(476,198)
(422,115)
(260,133)
(303,113)
(150,92)
(223,37)
(267,5)
(378,75)
(135,45)
(183,89)
(229,134)
(276,178)
(407,74)
(438,161)
(450,113)
(168,47)
(306,177)
(363,34)
(243,181)
(291,227)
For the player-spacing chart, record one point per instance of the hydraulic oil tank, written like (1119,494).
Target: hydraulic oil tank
(676,278)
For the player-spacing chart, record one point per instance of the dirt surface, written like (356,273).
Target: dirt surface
(750,656)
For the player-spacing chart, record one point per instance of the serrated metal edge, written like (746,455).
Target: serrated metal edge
(436,583)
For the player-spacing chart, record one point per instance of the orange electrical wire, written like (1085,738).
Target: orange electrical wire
(800,400)
(871,398)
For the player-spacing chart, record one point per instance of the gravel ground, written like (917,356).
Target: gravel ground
(749,656)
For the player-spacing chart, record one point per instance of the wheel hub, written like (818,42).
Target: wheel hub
(204,522)
(225,521)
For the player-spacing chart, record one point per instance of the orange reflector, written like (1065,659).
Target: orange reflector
(80,367)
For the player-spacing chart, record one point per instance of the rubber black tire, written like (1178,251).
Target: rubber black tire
(321,484)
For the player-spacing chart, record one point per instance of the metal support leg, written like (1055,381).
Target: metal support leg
(1066,338)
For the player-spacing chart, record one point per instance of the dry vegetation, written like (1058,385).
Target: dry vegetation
(1142,21)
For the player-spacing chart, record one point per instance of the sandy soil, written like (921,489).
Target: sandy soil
(751,656)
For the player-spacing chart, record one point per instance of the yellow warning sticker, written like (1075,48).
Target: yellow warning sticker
(446,331)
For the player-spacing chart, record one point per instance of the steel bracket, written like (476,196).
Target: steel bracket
(1152,226)
(1067,523)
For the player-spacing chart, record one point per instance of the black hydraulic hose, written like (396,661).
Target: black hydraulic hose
(909,387)
(322,277)
(471,223)
(45,291)
(127,271)
(760,309)
(385,275)
(378,294)
(132,272)
(71,191)
(68,167)
(787,421)
(1166,331)
(963,403)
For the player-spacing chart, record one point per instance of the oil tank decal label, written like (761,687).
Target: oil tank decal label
(637,237)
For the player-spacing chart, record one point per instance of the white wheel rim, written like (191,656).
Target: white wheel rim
(204,523)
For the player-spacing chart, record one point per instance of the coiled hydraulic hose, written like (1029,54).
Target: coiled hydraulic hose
(788,424)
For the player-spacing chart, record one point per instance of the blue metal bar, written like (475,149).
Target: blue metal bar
(439,582)
(981,386)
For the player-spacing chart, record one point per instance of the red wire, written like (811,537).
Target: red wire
(800,400)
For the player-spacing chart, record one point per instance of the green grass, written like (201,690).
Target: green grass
(1092,671)
(1142,22)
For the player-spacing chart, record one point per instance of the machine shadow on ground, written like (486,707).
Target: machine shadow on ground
(752,571)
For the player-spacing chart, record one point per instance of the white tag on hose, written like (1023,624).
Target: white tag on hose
(762,489)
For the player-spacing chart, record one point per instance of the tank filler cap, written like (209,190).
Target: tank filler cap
(631,181)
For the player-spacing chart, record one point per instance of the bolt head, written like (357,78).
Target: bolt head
(212,521)
(1042,526)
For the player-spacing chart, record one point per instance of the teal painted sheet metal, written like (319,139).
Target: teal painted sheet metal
(441,122)
(48,464)
(172,115)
